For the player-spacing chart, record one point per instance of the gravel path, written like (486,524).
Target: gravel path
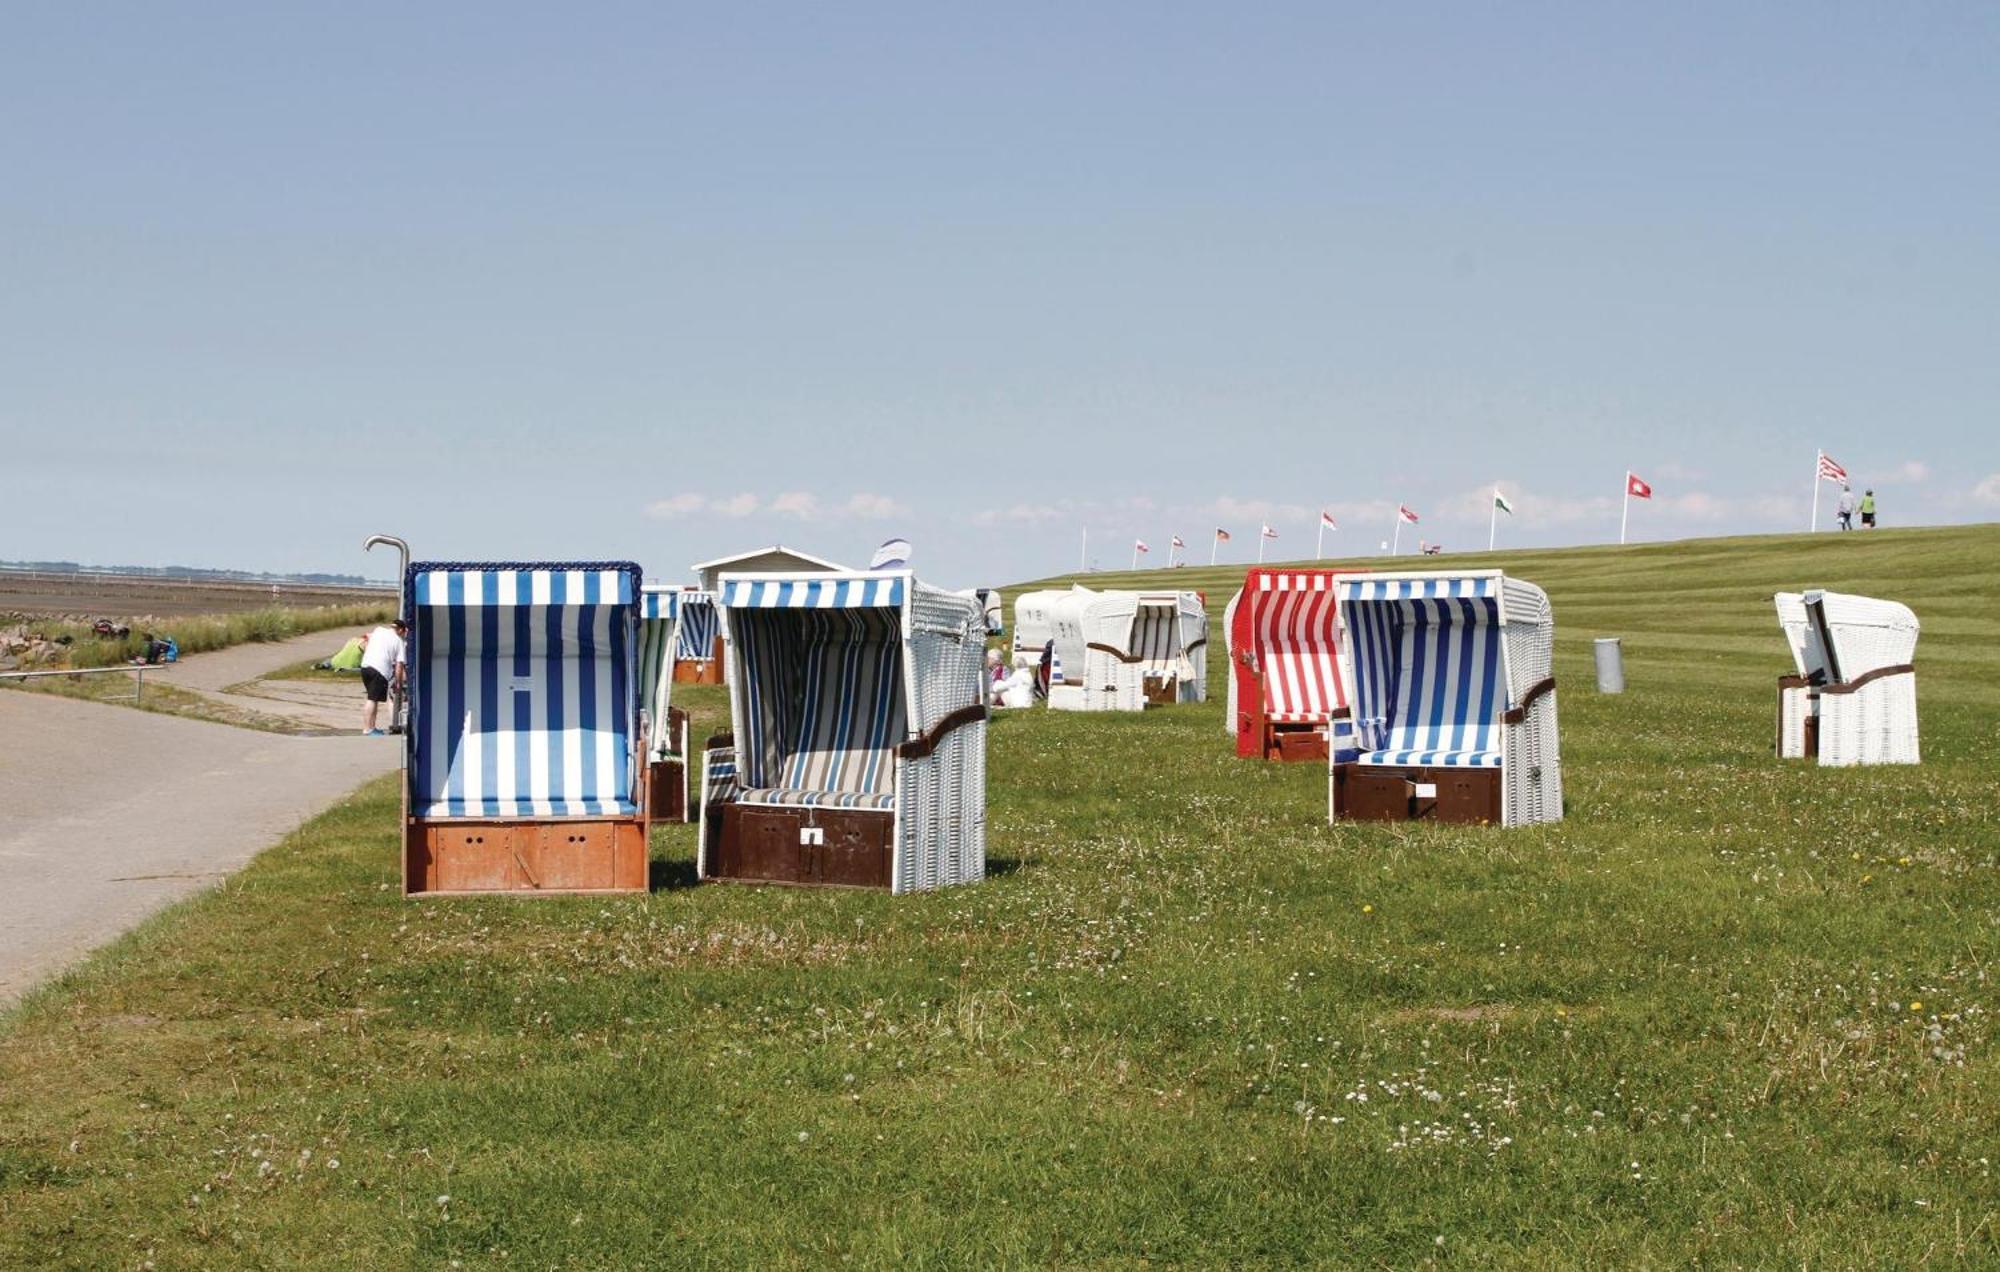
(108,814)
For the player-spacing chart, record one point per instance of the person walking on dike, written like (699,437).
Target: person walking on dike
(1868,510)
(1846,507)
(383,660)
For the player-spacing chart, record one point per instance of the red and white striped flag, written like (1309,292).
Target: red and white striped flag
(1270,533)
(1830,471)
(1403,513)
(1139,545)
(1326,519)
(1221,534)
(1637,488)
(1178,542)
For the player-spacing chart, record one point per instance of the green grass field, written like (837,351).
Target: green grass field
(1731,1011)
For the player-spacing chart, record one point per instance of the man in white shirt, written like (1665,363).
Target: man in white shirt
(383,660)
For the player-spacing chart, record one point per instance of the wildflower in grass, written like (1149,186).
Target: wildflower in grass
(1368,909)
(1916,1006)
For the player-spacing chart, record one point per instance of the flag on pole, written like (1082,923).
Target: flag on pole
(892,555)
(1139,545)
(1830,471)
(1222,534)
(1178,542)
(1636,487)
(1500,503)
(1403,513)
(1326,519)
(1270,533)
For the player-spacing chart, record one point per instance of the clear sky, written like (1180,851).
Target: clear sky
(667,282)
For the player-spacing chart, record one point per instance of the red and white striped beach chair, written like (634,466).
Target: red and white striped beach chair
(1286,646)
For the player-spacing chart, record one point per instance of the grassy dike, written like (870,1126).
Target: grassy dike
(1730,1011)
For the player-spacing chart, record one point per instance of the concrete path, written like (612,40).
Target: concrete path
(316,704)
(108,814)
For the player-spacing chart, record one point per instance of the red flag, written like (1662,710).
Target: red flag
(1637,488)
(1222,534)
(1326,519)
(1830,471)
(1404,514)
(1270,533)
(1139,545)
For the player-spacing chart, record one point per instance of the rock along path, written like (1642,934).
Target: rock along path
(109,814)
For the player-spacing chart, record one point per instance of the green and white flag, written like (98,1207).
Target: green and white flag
(1500,502)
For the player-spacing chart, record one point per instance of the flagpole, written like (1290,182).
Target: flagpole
(1817,453)
(1396,539)
(1319,543)
(1260,545)
(1135,555)
(1493,518)
(1214,546)
(1083,565)
(1626,516)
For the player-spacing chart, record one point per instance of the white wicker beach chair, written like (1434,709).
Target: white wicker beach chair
(1453,700)
(1853,699)
(1117,650)
(523,759)
(858,751)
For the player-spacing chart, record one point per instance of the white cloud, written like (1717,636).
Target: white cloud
(674,506)
(868,507)
(796,503)
(1988,491)
(736,505)
(1908,473)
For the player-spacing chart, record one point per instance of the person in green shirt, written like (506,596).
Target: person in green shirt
(1868,510)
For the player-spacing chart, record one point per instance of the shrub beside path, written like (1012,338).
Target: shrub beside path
(110,814)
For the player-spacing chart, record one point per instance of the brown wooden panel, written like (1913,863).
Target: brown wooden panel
(666,790)
(856,851)
(472,858)
(1462,795)
(1296,743)
(573,857)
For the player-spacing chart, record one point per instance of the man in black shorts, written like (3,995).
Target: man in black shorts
(383,660)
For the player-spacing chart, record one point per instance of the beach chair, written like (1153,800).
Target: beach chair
(698,640)
(1143,649)
(1048,628)
(1853,699)
(858,747)
(1452,698)
(660,618)
(1287,699)
(524,756)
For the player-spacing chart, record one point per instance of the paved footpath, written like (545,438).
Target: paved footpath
(109,814)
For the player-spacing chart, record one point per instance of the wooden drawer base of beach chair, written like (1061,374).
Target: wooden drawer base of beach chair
(688,671)
(1458,795)
(1295,743)
(826,847)
(469,857)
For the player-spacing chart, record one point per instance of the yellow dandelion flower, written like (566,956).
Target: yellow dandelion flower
(1916,1006)
(1368,909)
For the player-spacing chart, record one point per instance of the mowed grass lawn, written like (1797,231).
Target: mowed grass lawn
(1730,1011)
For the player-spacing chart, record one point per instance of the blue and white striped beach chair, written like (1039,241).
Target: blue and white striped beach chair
(524,751)
(858,751)
(661,615)
(1452,696)
(695,658)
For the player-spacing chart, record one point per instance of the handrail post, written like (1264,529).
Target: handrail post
(139,686)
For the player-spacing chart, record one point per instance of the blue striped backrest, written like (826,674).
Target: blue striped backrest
(1427,664)
(524,692)
(699,626)
(823,698)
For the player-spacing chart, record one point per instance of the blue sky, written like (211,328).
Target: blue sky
(663,283)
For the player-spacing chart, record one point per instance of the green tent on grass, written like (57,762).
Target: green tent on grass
(349,657)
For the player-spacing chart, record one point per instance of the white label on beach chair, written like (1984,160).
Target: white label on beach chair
(520,684)
(811,835)
(1425,790)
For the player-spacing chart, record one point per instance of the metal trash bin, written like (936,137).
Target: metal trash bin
(1610,653)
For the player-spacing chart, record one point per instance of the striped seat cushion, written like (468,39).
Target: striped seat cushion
(1438,759)
(824,701)
(817,799)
